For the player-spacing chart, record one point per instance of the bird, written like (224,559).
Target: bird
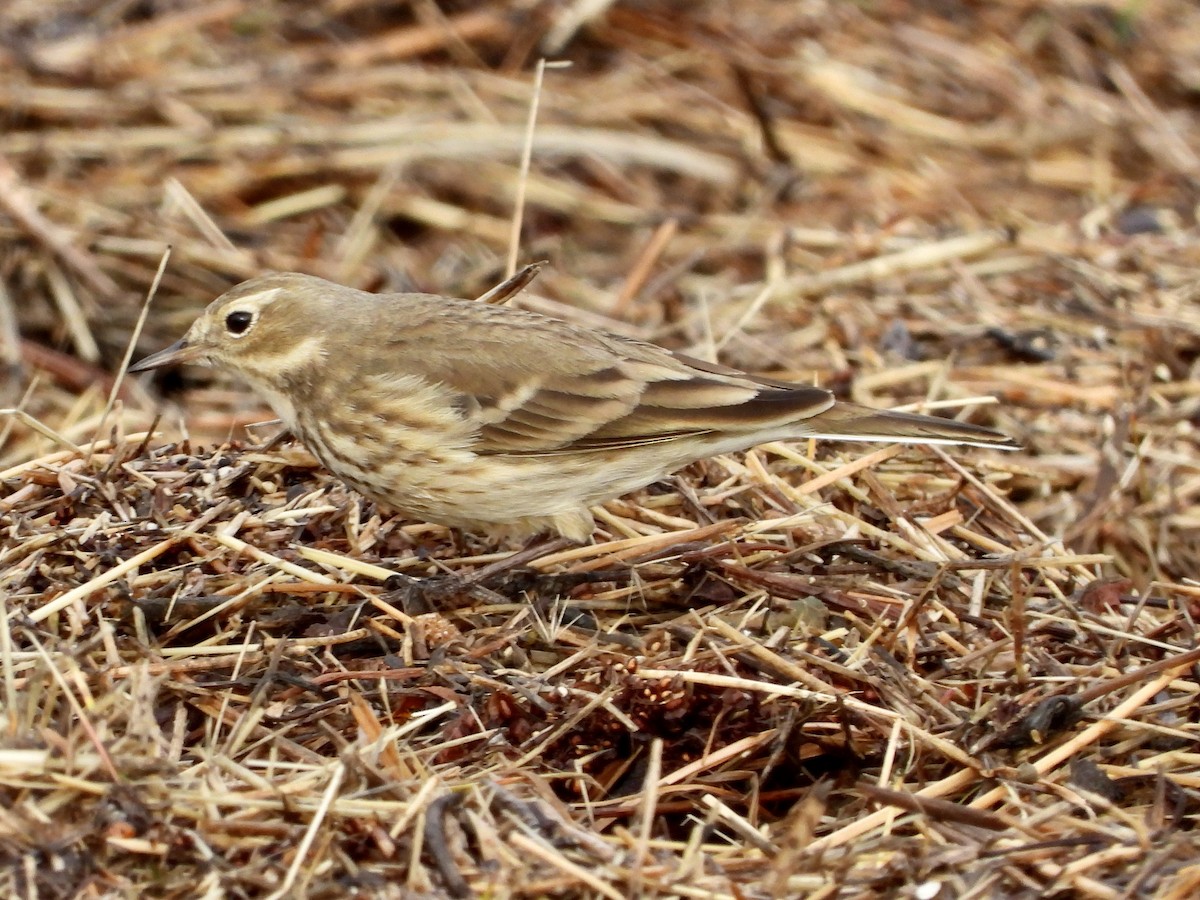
(487,417)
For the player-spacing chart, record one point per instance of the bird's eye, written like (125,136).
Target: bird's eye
(238,321)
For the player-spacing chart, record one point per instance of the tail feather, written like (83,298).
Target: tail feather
(851,422)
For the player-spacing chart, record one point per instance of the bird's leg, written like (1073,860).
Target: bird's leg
(510,576)
(417,596)
(496,582)
(274,440)
(534,548)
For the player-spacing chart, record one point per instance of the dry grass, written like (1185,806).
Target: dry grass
(805,671)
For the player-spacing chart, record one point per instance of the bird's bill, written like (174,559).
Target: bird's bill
(178,352)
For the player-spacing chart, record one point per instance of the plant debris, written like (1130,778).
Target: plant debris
(807,670)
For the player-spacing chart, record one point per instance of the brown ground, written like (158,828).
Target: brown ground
(840,671)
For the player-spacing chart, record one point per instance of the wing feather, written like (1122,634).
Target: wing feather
(538,385)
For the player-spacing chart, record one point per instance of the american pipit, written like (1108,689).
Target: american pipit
(488,417)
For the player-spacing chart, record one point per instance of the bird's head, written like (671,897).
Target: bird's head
(263,329)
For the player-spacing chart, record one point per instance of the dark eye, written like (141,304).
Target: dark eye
(238,321)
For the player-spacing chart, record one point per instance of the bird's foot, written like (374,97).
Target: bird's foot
(433,593)
(503,581)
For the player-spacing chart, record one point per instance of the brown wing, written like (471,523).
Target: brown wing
(539,385)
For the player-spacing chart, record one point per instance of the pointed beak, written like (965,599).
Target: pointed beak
(178,352)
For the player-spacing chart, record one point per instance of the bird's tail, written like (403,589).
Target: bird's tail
(851,422)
